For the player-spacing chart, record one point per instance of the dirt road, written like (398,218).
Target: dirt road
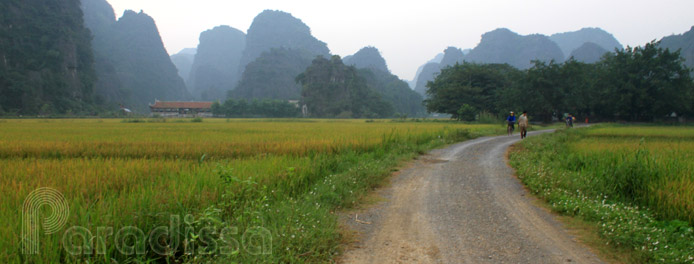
(461,204)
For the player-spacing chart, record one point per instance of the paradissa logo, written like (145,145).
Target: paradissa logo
(130,240)
(58,211)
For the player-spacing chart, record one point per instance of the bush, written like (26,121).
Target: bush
(467,113)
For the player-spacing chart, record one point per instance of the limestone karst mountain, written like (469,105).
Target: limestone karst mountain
(684,43)
(570,41)
(504,46)
(278,47)
(372,67)
(589,52)
(367,57)
(428,72)
(183,60)
(216,66)
(45,58)
(133,67)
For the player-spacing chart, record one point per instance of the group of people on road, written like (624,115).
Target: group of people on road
(522,123)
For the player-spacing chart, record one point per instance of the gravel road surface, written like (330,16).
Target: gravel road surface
(460,204)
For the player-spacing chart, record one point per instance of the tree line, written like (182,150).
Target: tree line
(635,84)
(255,108)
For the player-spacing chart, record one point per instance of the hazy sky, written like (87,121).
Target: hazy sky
(409,33)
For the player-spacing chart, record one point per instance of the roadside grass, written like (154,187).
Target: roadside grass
(228,191)
(634,183)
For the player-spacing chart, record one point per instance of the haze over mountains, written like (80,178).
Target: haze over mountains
(49,65)
(215,67)
(505,46)
(279,47)
(570,41)
(183,60)
(372,67)
(133,68)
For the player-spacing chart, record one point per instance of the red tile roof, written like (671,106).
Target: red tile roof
(190,105)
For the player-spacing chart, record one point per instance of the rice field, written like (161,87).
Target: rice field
(663,159)
(285,176)
(635,183)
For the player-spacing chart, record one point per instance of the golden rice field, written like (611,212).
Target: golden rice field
(670,151)
(115,174)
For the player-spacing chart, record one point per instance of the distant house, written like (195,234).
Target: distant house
(181,109)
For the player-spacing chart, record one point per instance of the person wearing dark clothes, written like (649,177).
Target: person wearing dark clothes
(511,120)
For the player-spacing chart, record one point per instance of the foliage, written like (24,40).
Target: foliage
(633,182)
(467,113)
(646,82)
(255,108)
(331,89)
(635,84)
(476,85)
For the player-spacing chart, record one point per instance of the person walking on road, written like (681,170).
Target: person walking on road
(523,124)
(511,120)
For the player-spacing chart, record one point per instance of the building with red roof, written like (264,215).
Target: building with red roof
(181,109)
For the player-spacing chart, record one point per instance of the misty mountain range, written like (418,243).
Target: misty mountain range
(504,46)
(82,59)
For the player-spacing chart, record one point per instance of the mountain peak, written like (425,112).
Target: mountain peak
(589,52)
(451,56)
(215,69)
(278,29)
(505,46)
(368,57)
(569,41)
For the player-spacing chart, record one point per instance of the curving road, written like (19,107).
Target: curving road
(460,204)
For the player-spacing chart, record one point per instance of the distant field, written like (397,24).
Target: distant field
(285,176)
(635,182)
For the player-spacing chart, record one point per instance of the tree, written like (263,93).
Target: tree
(645,83)
(635,84)
(478,85)
(256,108)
